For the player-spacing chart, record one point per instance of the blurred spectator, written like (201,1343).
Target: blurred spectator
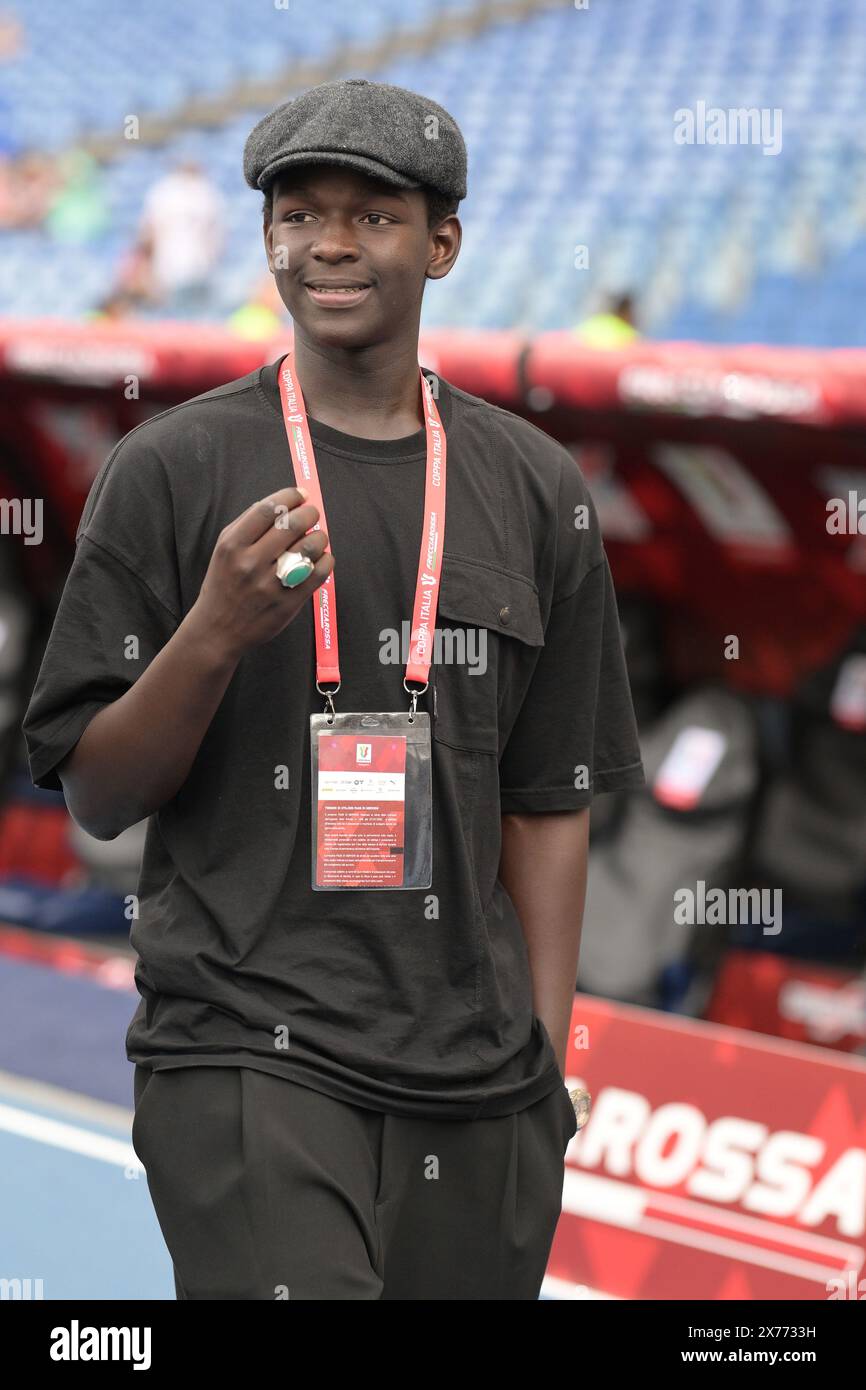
(11,35)
(806,242)
(7,191)
(264,313)
(133,276)
(612,328)
(131,292)
(27,187)
(182,231)
(118,304)
(78,211)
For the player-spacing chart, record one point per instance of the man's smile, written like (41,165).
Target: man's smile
(340,294)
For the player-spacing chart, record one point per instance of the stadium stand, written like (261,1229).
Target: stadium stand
(570,150)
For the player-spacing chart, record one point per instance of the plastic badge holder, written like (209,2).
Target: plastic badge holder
(372,803)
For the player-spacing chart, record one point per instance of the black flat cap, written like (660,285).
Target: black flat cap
(389,132)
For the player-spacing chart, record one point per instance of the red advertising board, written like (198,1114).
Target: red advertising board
(791,999)
(716,1164)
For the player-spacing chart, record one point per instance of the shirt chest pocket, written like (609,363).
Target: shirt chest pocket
(489,627)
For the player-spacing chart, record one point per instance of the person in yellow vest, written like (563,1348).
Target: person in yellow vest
(611,328)
(263,315)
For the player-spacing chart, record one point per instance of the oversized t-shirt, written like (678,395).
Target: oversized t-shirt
(411,1002)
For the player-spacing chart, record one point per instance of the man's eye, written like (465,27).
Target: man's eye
(384,220)
(290,216)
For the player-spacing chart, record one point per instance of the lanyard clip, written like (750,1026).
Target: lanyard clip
(328,694)
(414,694)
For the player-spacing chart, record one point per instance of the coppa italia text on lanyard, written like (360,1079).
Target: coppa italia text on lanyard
(372,808)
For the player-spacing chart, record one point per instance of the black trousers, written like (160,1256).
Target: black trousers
(266,1189)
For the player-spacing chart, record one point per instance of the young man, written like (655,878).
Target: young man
(343,1091)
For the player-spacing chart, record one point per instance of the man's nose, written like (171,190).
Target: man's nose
(334,239)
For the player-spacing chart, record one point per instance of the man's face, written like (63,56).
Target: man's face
(333,226)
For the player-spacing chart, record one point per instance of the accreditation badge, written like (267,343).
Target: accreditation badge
(372,801)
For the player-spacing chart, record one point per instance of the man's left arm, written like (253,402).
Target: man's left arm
(543,866)
(574,737)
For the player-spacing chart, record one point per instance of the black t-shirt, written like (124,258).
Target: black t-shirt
(413,1002)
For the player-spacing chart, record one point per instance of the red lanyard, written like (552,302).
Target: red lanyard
(432,536)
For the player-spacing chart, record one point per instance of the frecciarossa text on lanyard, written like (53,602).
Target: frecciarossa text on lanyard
(432,537)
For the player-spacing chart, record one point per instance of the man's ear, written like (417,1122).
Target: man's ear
(448,237)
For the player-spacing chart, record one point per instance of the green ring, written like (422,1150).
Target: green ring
(296,576)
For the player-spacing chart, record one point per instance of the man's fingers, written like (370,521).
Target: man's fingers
(312,545)
(252,524)
(288,531)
